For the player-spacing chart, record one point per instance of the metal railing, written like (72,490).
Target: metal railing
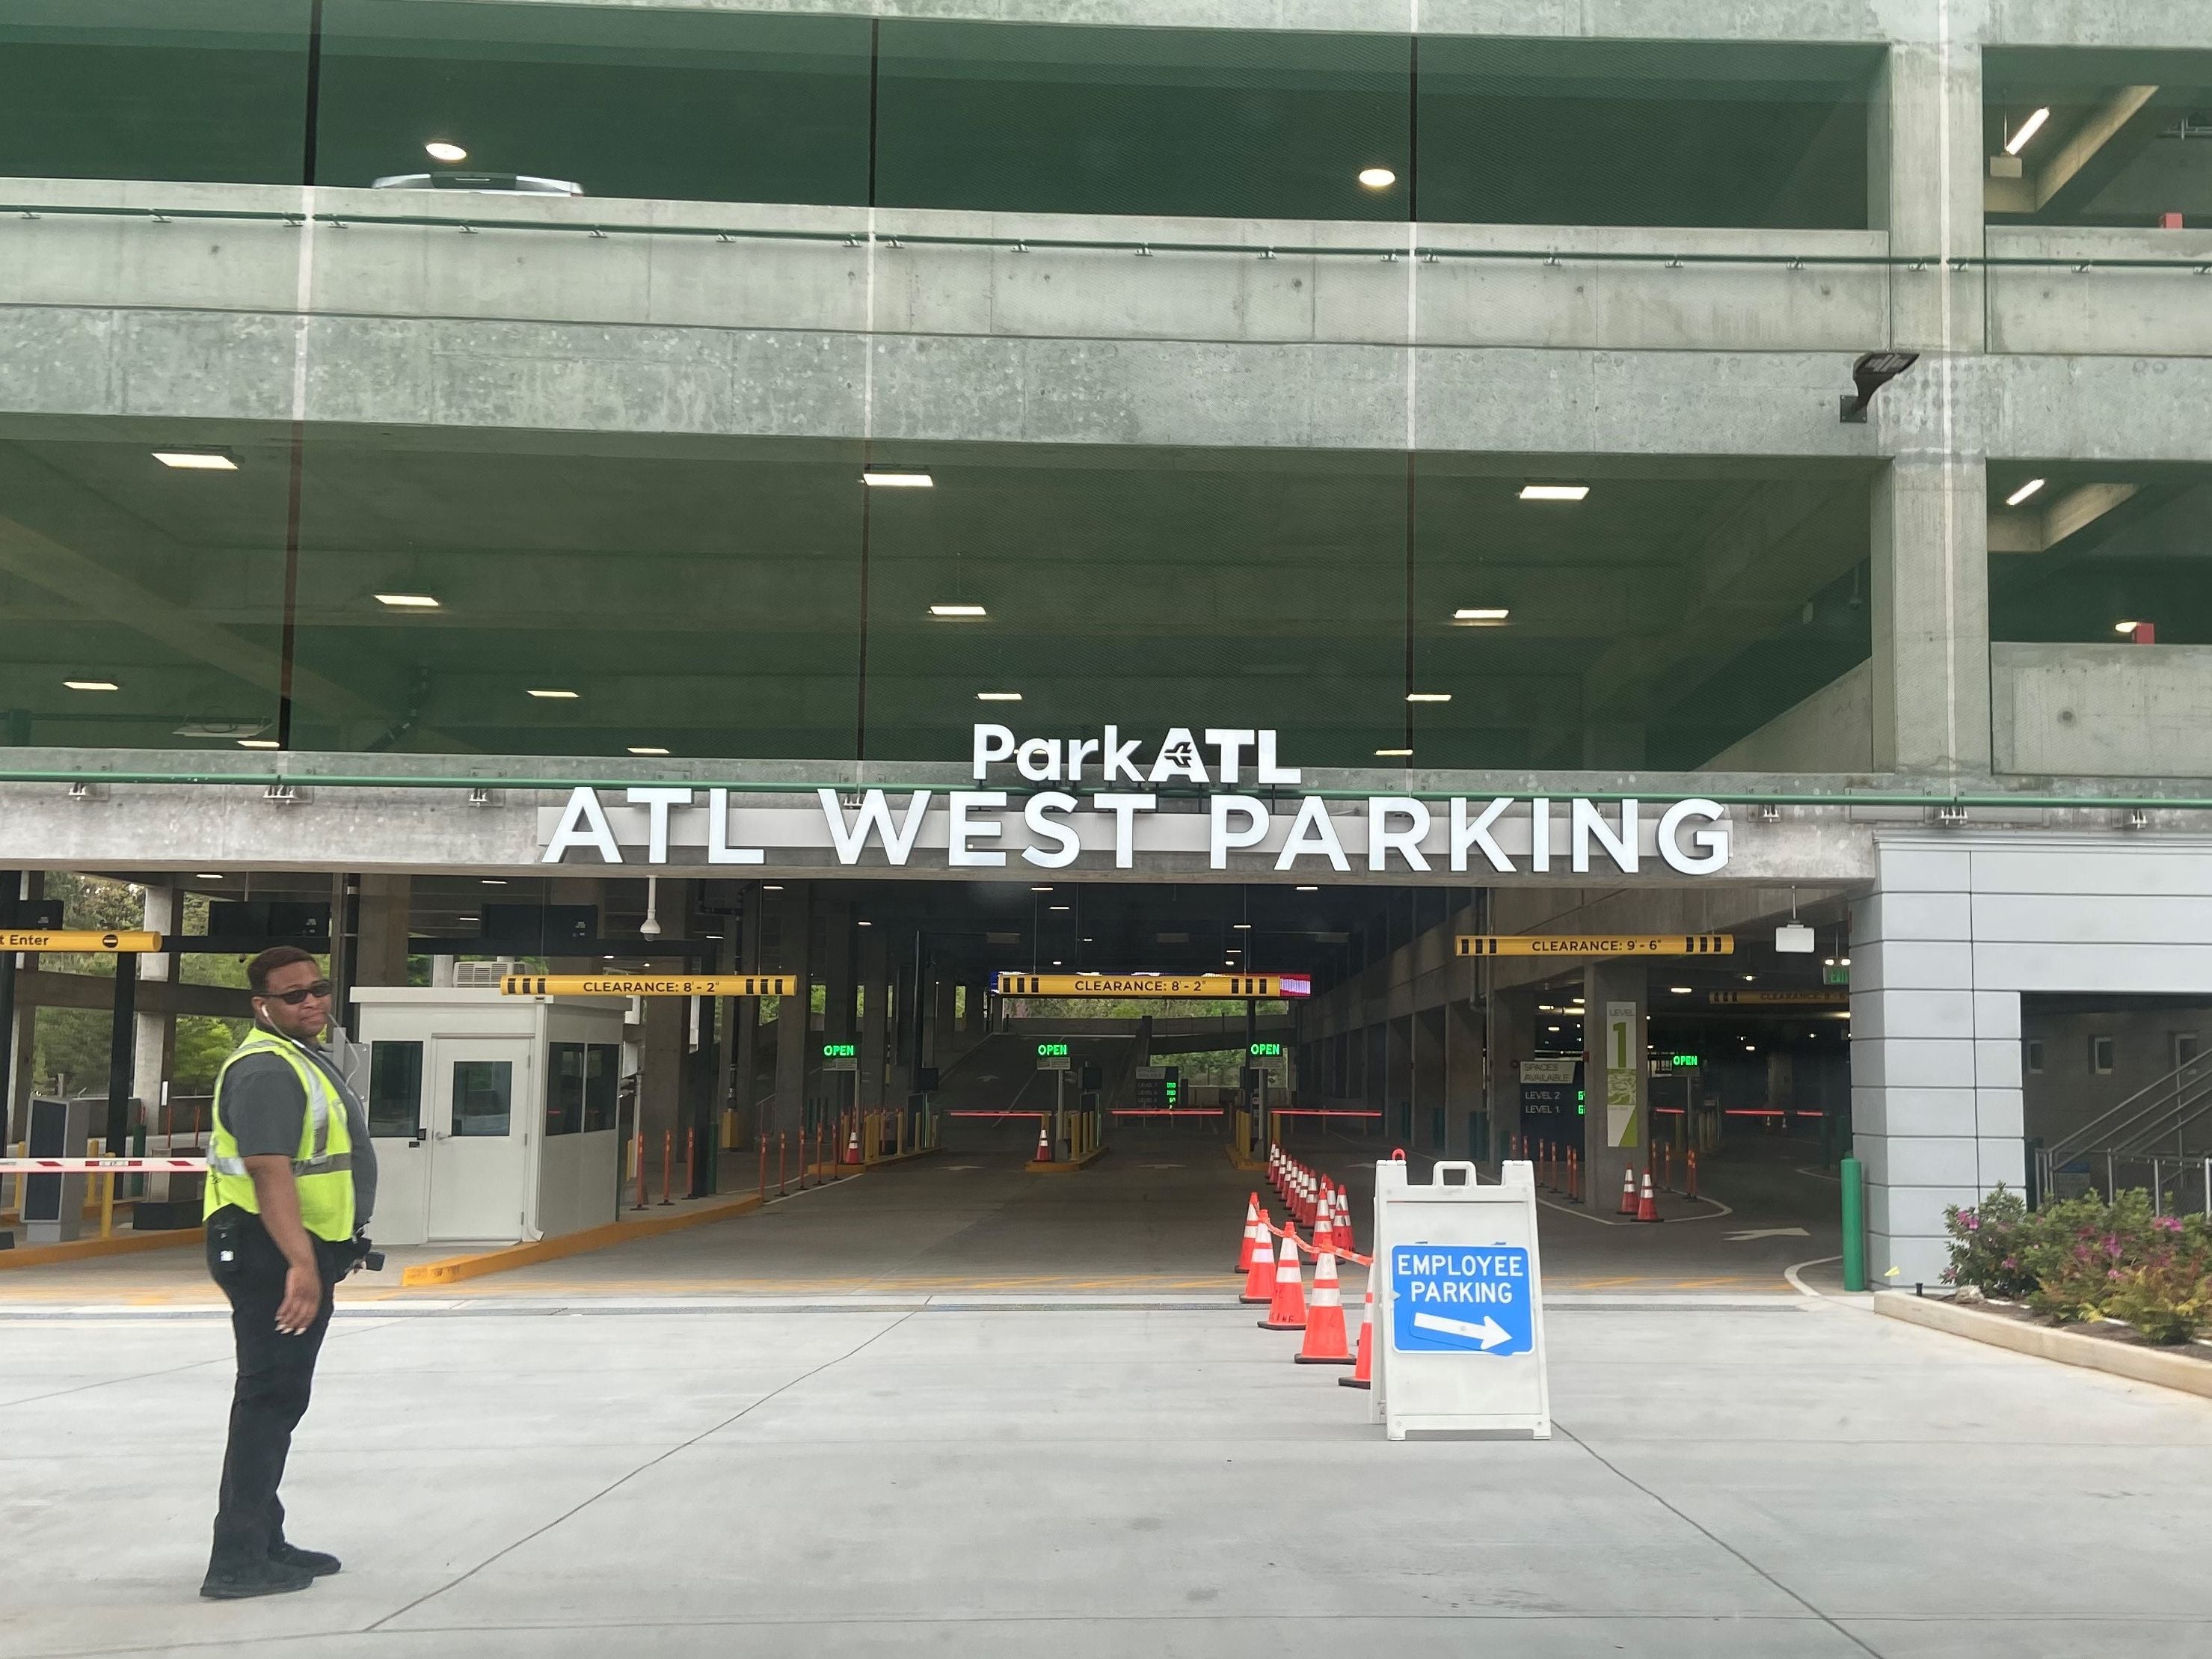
(2166,1107)
(2178,1184)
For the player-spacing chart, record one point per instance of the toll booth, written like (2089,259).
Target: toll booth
(53,1204)
(494,1118)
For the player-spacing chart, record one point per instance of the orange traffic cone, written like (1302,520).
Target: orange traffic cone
(1344,1222)
(852,1146)
(1044,1143)
(1255,1236)
(1647,1207)
(1260,1278)
(1324,1343)
(1324,1236)
(1627,1192)
(1287,1309)
(1363,1373)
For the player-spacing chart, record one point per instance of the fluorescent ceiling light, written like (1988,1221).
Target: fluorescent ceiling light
(771,887)
(408,601)
(1679,990)
(864,924)
(1476,615)
(998,696)
(494,881)
(1377,177)
(1242,926)
(2125,627)
(897,477)
(1040,889)
(1428,696)
(646,749)
(197,460)
(207,875)
(957,610)
(553,692)
(1553,492)
(439,150)
(92,685)
(2024,492)
(1308,889)
(1392,754)
(1063,906)
(256,743)
(2029,129)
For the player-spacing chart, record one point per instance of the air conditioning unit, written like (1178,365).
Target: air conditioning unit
(484,976)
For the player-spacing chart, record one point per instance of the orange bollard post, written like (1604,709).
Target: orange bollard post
(637,1153)
(763,1168)
(668,1161)
(1690,1182)
(1574,1195)
(690,1161)
(782,1146)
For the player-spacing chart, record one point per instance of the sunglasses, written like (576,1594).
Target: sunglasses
(321,988)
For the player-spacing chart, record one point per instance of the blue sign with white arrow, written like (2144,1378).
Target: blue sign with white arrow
(1461,1298)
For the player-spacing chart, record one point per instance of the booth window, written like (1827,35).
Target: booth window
(564,1092)
(602,1085)
(2101,1055)
(395,1089)
(483,1093)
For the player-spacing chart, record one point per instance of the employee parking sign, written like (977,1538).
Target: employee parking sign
(1449,1300)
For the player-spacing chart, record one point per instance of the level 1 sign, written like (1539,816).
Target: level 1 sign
(1460,1298)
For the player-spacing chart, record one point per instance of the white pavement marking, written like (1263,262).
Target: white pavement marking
(1768,1232)
(1803,1289)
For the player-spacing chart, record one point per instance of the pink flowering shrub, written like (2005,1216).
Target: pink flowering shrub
(2084,1259)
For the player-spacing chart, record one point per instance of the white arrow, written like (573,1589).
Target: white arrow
(1772,1232)
(1490,1333)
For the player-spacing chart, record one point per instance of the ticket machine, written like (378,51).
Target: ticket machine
(494,1117)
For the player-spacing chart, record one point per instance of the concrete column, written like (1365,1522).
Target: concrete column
(1936,1101)
(664,1068)
(1616,1079)
(1464,1087)
(944,1025)
(872,950)
(18,1032)
(380,952)
(1924,187)
(793,1044)
(742,1037)
(156,1037)
(1397,1079)
(1512,1040)
(1930,554)
(1429,1085)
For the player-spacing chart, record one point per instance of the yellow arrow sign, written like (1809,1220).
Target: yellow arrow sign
(649,985)
(1152,985)
(44,939)
(1596,945)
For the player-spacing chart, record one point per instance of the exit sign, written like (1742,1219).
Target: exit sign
(1266,1051)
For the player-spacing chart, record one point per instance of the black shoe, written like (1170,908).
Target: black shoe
(314,1563)
(270,1578)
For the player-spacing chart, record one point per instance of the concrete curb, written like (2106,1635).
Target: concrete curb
(2167,1370)
(84,1250)
(1065,1166)
(453,1268)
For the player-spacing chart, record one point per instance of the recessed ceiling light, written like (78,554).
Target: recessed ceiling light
(1061,907)
(957,610)
(2125,627)
(1377,177)
(408,601)
(439,150)
(92,685)
(256,743)
(1481,615)
(1553,492)
(897,477)
(1308,889)
(197,461)
(1242,926)
(998,696)
(646,749)
(864,924)
(1393,754)
(2024,492)
(553,692)
(494,881)
(1428,696)
(1679,990)
(1749,978)
(2029,129)
(1040,889)
(771,887)
(207,875)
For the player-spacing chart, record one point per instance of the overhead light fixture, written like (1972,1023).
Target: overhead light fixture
(646,749)
(2024,492)
(1377,177)
(408,601)
(771,887)
(957,610)
(1060,907)
(1041,890)
(1481,615)
(998,696)
(197,461)
(1242,926)
(1679,990)
(1428,696)
(1553,492)
(92,685)
(1794,938)
(1393,754)
(897,477)
(553,692)
(864,924)
(1308,889)
(2125,627)
(1871,372)
(208,875)
(256,743)
(494,881)
(439,150)
(1749,978)
(2029,129)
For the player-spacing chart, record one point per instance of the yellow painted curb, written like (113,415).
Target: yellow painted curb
(2167,1370)
(453,1268)
(1243,1162)
(1065,1166)
(85,1249)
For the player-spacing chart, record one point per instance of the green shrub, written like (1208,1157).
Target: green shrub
(1988,1242)
(2169,1298)
(2084,1259)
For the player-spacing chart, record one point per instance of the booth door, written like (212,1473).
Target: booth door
(478,1130)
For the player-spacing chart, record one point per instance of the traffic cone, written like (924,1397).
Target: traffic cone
(1324,1343)
(1255,1236)
(1260,1278)
(1627,1193)
(1287,1309)
(1344,1222)
(1044,1143)
(1647,1207)
(1324,1236)
(1363,1373)
(852,1146)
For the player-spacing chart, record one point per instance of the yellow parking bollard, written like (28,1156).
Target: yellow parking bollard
(107,1204)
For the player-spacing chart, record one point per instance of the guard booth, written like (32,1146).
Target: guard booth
(494,1117)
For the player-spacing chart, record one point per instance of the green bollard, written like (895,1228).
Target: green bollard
(1854,1173)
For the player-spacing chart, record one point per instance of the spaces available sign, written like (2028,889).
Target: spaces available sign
(1103,805)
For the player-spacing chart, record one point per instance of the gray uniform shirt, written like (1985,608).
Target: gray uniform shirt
(263,1106)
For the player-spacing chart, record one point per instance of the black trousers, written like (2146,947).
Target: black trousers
(276,1374)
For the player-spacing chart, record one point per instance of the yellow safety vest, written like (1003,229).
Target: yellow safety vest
(324,1167)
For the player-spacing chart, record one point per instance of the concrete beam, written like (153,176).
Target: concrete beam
(45,988)
(2025,529)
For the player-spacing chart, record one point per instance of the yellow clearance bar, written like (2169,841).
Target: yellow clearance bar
(1596,945)
(1138,985)
(1835,998)
(649,985)
(39,938)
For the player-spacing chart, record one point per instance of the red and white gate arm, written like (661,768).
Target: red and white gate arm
(102,1166)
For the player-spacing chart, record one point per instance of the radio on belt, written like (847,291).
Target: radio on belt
(1459,1304)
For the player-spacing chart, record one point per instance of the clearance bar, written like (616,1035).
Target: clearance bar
(1837,998)
(44,939)
(1596,945)
(1152,985)
(649,985)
